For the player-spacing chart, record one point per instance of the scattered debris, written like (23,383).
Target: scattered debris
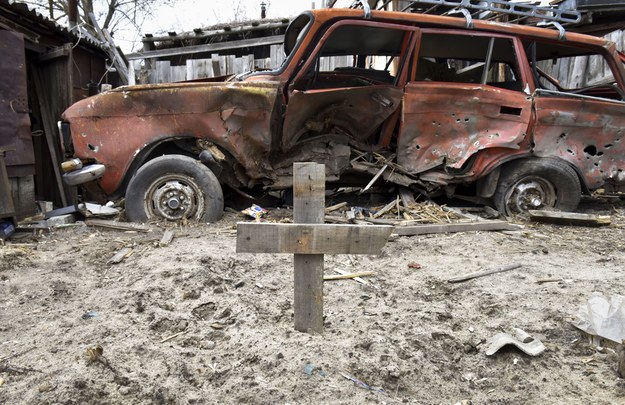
(6,230)
(173,336)
(89,315)
(96,355)
(570,218)
(255,211)
(357,279)
(120,255)
(60,220)
(122,226)
(483,273)
(336,207)
(522,340)
(362,384)
(100,210)
(386,208)
(602,317)
(348,275)
(168,236)
(71,209)
(309,368)
(620,352)
(549,280)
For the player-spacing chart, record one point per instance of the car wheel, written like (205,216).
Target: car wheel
(535,184)
(174,187)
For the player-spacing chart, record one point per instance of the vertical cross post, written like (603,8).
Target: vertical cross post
(308,208)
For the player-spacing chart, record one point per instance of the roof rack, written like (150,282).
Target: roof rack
(521,13)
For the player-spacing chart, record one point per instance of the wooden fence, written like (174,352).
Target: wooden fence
(572,72)
(579,72)
(217,65)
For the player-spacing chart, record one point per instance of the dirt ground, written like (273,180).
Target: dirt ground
(194,322)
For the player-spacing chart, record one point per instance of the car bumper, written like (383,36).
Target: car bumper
(84,175)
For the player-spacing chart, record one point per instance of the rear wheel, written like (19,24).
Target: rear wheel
(535,184)
(174,187)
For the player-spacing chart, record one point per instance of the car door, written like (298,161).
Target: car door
(580,111)
(469,94)
(350,84)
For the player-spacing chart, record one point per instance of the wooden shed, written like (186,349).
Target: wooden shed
(44,68)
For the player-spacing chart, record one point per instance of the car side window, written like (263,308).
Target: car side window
(458,58)
(573,70)
(355,56)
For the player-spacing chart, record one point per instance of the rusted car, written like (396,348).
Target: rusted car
(485,110)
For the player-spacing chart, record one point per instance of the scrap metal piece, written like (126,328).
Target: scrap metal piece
(523,341)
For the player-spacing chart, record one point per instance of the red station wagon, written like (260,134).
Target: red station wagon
(436,104)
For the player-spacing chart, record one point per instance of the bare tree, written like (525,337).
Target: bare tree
(110,14)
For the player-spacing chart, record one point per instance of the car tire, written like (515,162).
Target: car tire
(537,183)
(174,188)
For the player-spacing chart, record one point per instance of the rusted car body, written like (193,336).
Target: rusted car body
(476,111)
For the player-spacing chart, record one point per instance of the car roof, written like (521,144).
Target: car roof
(437,21)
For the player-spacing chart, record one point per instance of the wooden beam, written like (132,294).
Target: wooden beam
(50,131)
(459,227)
(309,181)
(570,218)
(311,239)
(243,43)
(121,226)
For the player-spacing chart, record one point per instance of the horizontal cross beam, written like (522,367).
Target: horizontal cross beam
(311,238)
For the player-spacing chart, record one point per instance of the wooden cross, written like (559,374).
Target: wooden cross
(309,239)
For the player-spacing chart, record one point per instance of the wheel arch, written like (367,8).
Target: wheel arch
(166,146)
(486,185)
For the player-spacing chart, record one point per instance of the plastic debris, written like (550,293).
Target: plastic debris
(309,368)
(89,315)
(362,384)
(602,317)
(522,340)
(6,229)
(255,211)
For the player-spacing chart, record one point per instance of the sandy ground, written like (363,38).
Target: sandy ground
(195,322)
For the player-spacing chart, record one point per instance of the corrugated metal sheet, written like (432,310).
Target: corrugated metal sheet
(21,14)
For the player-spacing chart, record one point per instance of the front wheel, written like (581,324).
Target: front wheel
(535,184)
(174,187)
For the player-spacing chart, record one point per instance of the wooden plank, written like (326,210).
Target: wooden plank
(311,239)
(120,255)
(570,218)
(190,68)
(163,71)
(216,65)
(122,226)
(215,47)
(168,236)
(50,132)
(179,73)
(407,197)
(308,208)
(386,208)
(458,227)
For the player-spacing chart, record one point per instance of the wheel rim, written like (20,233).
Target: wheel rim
(174,197)
(530,193)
